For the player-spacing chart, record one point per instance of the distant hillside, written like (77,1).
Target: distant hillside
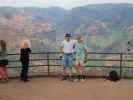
(107,27)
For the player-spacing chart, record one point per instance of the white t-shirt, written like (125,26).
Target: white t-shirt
(68,46)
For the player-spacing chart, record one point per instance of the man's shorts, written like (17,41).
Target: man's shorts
(68,60)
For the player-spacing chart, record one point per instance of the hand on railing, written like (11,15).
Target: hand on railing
(61,56)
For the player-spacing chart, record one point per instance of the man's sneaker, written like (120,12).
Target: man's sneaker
(75,80)
(64,78)
(82,80)
(70,78)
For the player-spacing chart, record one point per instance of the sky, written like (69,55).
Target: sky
(68,4)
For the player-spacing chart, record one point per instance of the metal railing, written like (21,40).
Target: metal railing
(53,60)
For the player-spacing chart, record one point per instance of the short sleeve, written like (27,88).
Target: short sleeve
(85,46)
(74,41)
(0,52)
(62,44)
(29,50)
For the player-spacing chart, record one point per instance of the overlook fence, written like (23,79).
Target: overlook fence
(97,64)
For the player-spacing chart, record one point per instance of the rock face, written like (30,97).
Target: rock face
(110,24)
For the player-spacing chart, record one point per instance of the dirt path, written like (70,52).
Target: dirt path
(53,89)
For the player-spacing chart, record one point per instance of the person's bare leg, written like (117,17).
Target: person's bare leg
(77,65)
(5,74)
(64,74)
(81,69)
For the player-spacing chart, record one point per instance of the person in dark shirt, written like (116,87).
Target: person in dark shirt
(25,58)
(3,61)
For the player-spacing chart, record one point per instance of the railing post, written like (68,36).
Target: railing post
(121,60)
(48,63)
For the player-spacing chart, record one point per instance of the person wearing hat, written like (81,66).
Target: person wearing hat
(67,49)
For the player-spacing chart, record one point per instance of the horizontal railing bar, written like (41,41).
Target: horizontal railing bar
(128,60)
(127,67)
(117,53)
(110,66)
(33,60)
(29,66)
(60,65)
(61,59)
(103,53)
(36,53)
(14,60)
(85,67)
(86,60)
(104,66)
(44,59)
(103,59)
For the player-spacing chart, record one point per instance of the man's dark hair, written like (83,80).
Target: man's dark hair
(68,35)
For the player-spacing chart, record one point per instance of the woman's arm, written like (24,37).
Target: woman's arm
(29,50)
(0,53)
(21,55)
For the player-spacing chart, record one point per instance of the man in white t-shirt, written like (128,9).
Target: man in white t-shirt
(67,48)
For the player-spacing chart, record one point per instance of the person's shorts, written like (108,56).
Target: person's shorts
(68,60)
